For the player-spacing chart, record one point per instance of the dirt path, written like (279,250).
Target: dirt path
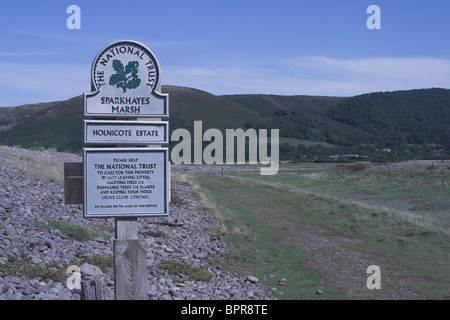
(342,267)
(330,253)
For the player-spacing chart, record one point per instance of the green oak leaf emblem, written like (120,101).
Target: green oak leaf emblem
(122,79)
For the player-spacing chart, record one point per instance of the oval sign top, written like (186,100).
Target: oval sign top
(126,65)
(124,76)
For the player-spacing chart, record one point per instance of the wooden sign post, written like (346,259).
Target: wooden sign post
(128,178)
(130,262)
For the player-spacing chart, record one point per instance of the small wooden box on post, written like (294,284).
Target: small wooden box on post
(125,170)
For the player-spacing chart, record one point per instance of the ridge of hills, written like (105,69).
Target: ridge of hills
(409,123)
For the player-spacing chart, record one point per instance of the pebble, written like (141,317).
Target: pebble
(90,270)
(27,204)
(252,279)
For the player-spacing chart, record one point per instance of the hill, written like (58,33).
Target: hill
(301,117)
(404,124)
(59,124)
(411,123)
(188,105)
(53,125)
(399,118)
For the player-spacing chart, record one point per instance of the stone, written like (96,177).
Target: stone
(28,291)
(91,271)
(42,289)
(49,296)
(11,296)
(174,291)
(28,204)
(3,288)
(153,293)
(199,255)
(252,279)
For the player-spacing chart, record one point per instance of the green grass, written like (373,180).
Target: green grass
(74,231)
(399,215)
(395,191)
(21,267)
(18,267)
(254,247)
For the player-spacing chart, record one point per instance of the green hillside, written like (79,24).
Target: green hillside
(410,124)
(269,104)
(399,118)
(12,115)
(188,105)
(301,117)
(55,125)
(60,124)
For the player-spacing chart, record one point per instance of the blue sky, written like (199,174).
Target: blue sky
(320,47)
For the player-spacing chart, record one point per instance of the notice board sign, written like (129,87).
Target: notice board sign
(125,182)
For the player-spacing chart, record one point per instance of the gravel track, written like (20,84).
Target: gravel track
(28,203)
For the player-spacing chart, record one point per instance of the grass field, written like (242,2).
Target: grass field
(320,226)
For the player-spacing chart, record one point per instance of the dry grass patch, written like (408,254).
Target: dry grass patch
(42,165)
(183,268)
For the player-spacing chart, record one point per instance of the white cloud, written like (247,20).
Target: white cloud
(412,68)
(317,76)
(30,83)
(67,37)
(385,73)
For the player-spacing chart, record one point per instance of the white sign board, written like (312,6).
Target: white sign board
(125,76)
(125,182)
(126,132)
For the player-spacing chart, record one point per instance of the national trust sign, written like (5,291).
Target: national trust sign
(124,77)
